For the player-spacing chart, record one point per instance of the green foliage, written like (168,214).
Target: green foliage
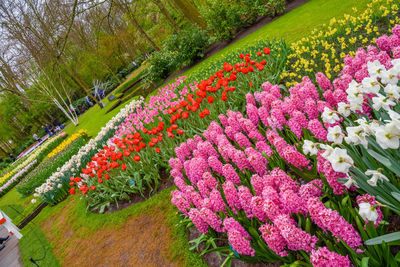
(223,18)
(189,44)
(45,169)
(182,49)
(162,64)
(275,7)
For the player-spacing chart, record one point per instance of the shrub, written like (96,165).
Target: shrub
(162,64)
(189,45)
(223,18)
(181,49)
(275,7)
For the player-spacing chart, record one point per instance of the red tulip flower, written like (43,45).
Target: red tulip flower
(72,191)
(136,158)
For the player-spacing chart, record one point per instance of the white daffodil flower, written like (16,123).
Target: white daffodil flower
(350,182)
(329,116)
(355,98)
(368,212)
(344,109)
(327,150)
(370,85)
(341,162)
(310,148)
(388,136)
(356,136)
(395,118)
(376,176)
(375,68)
(389,77)
(368,127)
(335,135)
(392,91)
(381,101)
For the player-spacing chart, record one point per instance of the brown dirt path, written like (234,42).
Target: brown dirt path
(143,240)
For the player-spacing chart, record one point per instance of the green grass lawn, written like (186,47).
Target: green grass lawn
(131,78)
(292,26)
(95,118)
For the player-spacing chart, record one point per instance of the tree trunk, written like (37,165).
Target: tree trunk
(190,12)
(167,15)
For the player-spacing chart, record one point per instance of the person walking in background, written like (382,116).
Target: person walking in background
(50,128)
(58,124)
(47,130)
(37,138)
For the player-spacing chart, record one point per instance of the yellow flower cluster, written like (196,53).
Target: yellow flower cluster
(28,159)
(325,49)
(7,176)
(66,142)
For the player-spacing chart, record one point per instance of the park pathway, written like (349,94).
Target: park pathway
(10,256)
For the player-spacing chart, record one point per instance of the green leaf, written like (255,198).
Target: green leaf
(397,258)
(385,161)
(364,262)
(387,238)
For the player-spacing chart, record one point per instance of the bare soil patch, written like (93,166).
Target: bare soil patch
(142,240)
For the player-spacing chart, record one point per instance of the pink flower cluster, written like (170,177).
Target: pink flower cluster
(323,257)
(331,221)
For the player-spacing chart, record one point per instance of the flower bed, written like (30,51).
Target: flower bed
(248,180)
(50,191)
(32,160)
(325,49)
(274,179)
(66,143)
(10,183)
(140,149)
(44,170)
